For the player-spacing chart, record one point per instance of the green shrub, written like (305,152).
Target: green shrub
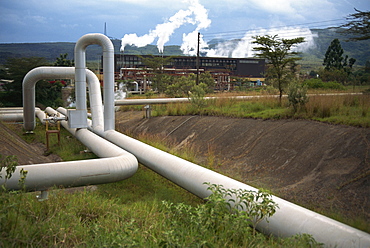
(297,95)
(317,83)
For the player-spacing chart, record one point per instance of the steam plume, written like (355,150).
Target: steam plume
(244,48)
(196,14)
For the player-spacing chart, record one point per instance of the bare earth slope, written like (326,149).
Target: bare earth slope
(12,144)
(320,166)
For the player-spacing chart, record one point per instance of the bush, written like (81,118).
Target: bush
(317,83)
(225,219)
(297,95)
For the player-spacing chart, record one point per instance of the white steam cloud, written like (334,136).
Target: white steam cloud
(243,47)
(196,15)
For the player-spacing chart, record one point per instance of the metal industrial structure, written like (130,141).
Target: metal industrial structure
(120,154)
(223,70)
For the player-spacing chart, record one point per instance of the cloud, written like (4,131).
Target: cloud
(156,4)
(244,47)
(276,6)
(36,18)
(289,10)
(69,26)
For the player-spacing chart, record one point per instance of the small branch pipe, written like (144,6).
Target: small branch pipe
(16,114)
(289,219)
(183,99)
(13,110)
(39,73)
(149,101)
(11,117)
(108,73)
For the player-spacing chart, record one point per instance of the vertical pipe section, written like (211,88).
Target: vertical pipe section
(108,71)
(96,103)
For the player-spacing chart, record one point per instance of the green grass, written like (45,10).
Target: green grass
(352,110)
(145,210)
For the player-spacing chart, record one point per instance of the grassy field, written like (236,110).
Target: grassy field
(352,110)
(143,211)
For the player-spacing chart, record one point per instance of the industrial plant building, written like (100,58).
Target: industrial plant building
(223,70)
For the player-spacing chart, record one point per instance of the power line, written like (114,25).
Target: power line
(310,25)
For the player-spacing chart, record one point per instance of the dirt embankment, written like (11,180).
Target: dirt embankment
(320,166)
(12,144)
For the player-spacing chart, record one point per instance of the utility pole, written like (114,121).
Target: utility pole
(197,82)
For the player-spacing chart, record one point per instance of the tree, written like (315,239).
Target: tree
(358,25)
(63,61)
(336,67)
(207,79)
(333,56)
(157,65)
(280,57)
(181,86)
(17,68)
(49,94)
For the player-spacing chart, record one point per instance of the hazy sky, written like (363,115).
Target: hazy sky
(68,20)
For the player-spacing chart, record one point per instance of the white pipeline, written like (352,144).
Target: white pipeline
(44,72)
(108,73)
(16,114)
(289,219)
(114,165)
(184,99)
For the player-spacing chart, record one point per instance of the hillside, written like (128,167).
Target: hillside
(52,50)
(359,50)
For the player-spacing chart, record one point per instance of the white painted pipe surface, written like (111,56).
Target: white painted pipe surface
(108,73)
(115,165)
(13,110)
(11,117)
(16,114)
(184,99)
(289,219)
(44,72)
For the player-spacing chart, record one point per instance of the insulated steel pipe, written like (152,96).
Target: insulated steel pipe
(16,114)
(11,117)
(115,165)
(44,72)
(183,99)
(289,219)
(108,71)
